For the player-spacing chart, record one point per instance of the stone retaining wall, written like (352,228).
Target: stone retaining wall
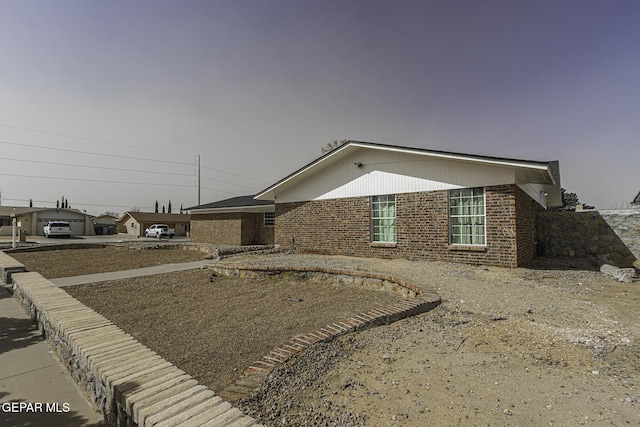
(626,226)
(416,301)
(130,384)
(614,235)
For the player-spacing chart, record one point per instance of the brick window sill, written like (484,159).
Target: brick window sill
(383,245)
(467,248)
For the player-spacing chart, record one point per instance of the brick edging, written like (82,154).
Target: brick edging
(129,383)
(418,301)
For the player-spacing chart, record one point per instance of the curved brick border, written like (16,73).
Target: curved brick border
(417,301)
(129,383)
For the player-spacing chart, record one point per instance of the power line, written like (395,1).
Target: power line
(230,183)
(235,167)
(219,191)
(74,204)
(125,157)
(94,167)
(240,176)
(124,170)
(89,139)
(93,154)
(97,180)
(101,141)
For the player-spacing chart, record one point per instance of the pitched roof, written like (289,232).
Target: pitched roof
(21,210)
(233,202)
(540,172)
(156,217)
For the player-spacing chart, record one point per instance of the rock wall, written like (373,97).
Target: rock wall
(612,234)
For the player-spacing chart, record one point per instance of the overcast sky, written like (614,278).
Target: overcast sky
(108,103)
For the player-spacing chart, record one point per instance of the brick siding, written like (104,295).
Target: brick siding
(526,209)
(235,229)
(342,226)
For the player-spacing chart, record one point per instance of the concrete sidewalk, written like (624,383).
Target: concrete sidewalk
(124,274)
(31,374)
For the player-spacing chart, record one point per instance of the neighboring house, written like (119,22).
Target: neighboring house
(236,221)
(104,224)
(33,220)
(134,223)
(376,200)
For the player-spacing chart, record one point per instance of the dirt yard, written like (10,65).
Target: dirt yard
(555,344)
(211,327)
(525,347)
(78,262)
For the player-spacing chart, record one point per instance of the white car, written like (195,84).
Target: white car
(159,230)
(57,228)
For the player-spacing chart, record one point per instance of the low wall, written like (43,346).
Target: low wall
(626,225)
(205,249)
(416,301)
(130,384)
(614,235)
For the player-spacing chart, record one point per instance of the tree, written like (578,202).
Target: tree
(30,203)
(57,204)
(110,213)
(181,207)
(570,201)
(169,207)
(135,209)
(333,145)
(163,209)
(156,211)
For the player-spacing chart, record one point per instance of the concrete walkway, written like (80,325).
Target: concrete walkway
(124,274)
(31,374)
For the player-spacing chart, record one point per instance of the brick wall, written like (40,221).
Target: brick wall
(254,232)
(342,226)
(233,229)
(221,228)
(526,209)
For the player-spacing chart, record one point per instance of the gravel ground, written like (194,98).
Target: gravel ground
(554,344)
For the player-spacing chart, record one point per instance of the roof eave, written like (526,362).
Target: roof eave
(270,192)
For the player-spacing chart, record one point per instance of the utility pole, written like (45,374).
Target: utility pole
(198,179)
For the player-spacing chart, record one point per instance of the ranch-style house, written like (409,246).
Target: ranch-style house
(387,201)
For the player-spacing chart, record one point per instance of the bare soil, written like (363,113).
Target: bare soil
(211,327)
(550,345)
(553,344)
(78,262)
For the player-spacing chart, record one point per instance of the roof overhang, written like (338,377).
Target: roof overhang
(543,173)
(236,209)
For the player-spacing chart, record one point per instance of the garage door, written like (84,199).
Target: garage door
(77,225)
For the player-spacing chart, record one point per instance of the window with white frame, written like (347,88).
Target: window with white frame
(383,218)
(467,216)
(269,218)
